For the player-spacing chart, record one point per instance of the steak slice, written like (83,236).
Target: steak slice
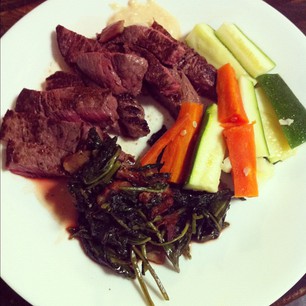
(19,126)
(132,117)
(169,86)
(90,104)
(172,101)
(36,128)
(121,73)
(71,44)
(172,76)
(36,144)
(202,75)
(34,160)
(61,79)
(168,50)
(188,92)
(111,31)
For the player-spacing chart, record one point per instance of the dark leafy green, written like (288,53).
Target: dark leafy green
(126,211)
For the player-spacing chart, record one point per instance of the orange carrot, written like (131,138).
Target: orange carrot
(230,105)
(169,153)
(177,153)
(242,154)
(150,157)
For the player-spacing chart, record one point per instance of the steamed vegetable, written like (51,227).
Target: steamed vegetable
(230,105)
(289,110)
(176,155)
(250,105)
(209,153)
(249,55)
(151,156)
(203,39)
(242,153)
(278,145)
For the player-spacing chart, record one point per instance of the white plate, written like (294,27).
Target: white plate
(257,259)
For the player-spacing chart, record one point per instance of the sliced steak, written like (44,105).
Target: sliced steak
(132,117)
(34,160)
(188,92)
(202,75)
(36,144)
(166,49)
(168,86)
(71,44)
(184,75)
(158,27)
(111,31)
(172,100)
(61,79)
(121,73)
(19,127)
(57,103)
(89,104)
(36,128)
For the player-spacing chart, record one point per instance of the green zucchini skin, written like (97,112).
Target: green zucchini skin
(208,155)
(249,55)
(278,145)
(289,110)
(203,39)
(250,104)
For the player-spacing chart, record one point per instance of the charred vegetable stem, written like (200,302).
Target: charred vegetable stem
(184,231)
(153,273)
(140,279)
(212,217)
(107,171)
(195,217)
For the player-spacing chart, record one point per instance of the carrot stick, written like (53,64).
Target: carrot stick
(177,153)
(150,157)
(242,154)
(230,105)
(168,159)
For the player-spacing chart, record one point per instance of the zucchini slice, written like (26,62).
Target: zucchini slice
(203,39)
(249,100)
(289,110)
(279,148)
(209,153)
(249,55)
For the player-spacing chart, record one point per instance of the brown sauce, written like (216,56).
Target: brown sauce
(54,194)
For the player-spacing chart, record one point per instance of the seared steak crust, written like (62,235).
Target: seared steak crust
(36,144)
(34,160)
(89,104)
(72,44)
(121,73)
(169,63)
(132,117)
(61,79)
(202,75)
(111,31)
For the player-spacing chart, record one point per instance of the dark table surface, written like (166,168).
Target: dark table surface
(12,10)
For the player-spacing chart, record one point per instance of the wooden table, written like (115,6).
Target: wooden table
(12,10)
